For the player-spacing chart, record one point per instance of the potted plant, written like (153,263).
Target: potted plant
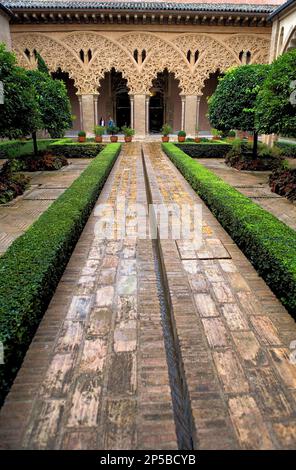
(166,130)
(81,136)
(197,139)
(128,133)
(181,136)
(215,134)
(112,130)
(99,131)
(231,135)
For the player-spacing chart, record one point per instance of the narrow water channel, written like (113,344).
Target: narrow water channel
(180,401)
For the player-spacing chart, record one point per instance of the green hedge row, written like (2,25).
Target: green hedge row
(288,150)
(17,148)
(205,149)
(32,266)
(268,243)
(75,150)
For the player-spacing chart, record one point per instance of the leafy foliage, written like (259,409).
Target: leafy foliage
(275,112)
(18,148)
(20,112)
(53,102)
(75,149)
(211,149)
(232,106)
(268,243)
(287,149)
(32,266)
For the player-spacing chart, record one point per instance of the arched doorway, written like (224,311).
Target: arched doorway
(164,102)
(71,90)
(114,99)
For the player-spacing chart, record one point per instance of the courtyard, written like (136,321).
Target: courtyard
(147,227)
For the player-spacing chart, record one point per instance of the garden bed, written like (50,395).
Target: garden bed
(33,265)
(288,150)
(211,149)
(241,157)
(283,182)
(17,148)
(74,149)
(268,243)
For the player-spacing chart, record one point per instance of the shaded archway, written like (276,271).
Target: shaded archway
(164,102)
(72,93)
(114,100)
(210,85)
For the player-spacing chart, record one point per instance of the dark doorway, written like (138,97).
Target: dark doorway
(72,93)
(157,102)
(121,99)
(156,112)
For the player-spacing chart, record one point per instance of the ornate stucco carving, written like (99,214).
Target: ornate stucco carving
(100,53)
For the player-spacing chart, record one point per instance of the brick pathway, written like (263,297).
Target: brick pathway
(255,186)
(46,186)
(96,375)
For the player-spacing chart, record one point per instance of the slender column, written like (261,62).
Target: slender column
(140,115)
(182,112)
(80,112)
(96,98)
(88,115)
(132,110)
(191,114)
(198,98)
(147,113)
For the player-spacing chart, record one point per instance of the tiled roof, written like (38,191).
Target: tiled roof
(282,7)
(258,6)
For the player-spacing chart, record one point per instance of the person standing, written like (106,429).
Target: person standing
(102,122)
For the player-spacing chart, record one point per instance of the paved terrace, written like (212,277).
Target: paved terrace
(45,186)
(255,186)
(101,373)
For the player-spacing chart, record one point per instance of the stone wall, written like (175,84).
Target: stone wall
(4,29)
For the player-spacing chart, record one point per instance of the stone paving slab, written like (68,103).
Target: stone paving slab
(102,376)
(45,187)
(96,375)
(234,335)
(255,186)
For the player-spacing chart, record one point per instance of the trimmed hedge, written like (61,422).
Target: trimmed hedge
(287,149)
(33,265)
(269,244)
(213,149)
(75,149)
(17,148)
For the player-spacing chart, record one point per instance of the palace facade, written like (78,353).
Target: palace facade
(144,63)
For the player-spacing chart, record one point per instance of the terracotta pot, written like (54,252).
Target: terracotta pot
(98,138)
(165,138)
(250,138)
(128,138)
(113,138)
(197,140)
(216,137)
(181,139)
(81,139)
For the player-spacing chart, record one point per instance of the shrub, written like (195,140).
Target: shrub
(128,131)
(99,130)
(75,149)
(112,130)
(283,182)
(181,134)
(287,150)
(268,243)
(17,148)
(209,149)
(12,185)
(241,157)
(81,134)
(32,266)
(166,130)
